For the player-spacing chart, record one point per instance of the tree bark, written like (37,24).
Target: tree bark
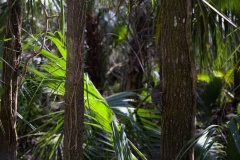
(95,59)
(11,61)
(74,95)
(179,78)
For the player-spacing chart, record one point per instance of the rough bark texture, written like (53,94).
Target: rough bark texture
(74,100)
(11,61)
(179,78)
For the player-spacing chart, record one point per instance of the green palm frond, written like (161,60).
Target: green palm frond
(141,125)
(206,145)
(233,146)
(101,125)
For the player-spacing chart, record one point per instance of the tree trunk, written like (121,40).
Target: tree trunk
(74,100)
(95,58)
(179,78)
(138,53)
(11,61)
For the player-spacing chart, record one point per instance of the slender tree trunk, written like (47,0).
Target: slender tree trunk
(179,78)
(11,61)
(138,53)
(95,58)
(74,100)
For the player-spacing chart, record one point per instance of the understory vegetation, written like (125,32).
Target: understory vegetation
(121,69)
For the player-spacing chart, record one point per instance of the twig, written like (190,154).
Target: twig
(141,103)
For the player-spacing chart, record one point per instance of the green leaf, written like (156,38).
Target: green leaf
(98,105)
(121,32)
(60,46)
(204,77)
(233,146)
